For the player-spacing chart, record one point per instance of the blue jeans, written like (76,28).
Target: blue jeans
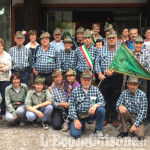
(47,111)
(25,77)
(99,116)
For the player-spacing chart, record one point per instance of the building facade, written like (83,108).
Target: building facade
(47,14)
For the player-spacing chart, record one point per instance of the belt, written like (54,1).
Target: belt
(44,74)
(21,70)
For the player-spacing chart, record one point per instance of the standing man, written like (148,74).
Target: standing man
(85,55)
(132,107)
(57,42)
(79,41)
(66,57)
(132,34)
(45,59)
(111,81)
(86,104)
(21,58)
(96,35)
(143,57)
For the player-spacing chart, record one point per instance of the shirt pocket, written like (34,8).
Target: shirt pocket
(51,59)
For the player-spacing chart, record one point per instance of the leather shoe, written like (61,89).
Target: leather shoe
(105,122)
(115,123)
(122,135)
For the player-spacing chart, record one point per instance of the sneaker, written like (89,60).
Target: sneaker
(65,126)
(22,123)
(4,118)
(100,135)
(45,125)
(35,124)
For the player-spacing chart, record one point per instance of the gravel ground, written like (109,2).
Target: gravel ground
(15,137)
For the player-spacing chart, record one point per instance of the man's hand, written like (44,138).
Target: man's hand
(92,110)
(108,72)
(122,109)
(132,129)
(66,105)
(35,72)
(77,124)
(15,117)
(101,76)
(40,114)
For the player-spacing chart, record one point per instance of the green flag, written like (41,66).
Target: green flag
(126,63)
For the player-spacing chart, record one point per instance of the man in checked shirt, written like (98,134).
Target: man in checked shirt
(86,103)
(66,57)
(45,59)
(111,82)
(132,107)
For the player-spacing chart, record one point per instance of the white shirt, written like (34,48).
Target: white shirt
(5,60)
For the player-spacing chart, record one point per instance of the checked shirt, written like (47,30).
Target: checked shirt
(81,102)
(58,95)
(21,57)
(80,61)
(45,61)
(66,60)
(104,58)
(136,104)
(143,58)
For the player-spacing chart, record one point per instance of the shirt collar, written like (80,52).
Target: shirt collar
(36,92)
(134,92)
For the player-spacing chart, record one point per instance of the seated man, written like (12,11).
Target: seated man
(86,103)
(61,103)
(132,106)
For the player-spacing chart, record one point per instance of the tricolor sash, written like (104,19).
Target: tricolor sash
(87,57)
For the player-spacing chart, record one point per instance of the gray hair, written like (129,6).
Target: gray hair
(133,29)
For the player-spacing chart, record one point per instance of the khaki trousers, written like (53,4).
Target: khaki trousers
(128,117)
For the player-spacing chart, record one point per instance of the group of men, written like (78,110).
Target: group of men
(88,102)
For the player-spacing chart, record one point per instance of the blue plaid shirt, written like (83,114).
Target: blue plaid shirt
(143,58)
(45,62)
(136,104)
(104,58)
(58,95)
(81,102)
(80,61)
(21,57)
(66,60)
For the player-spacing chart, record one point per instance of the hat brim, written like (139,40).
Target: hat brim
(111,36)
(67,42)
(132,82)
(86,76)
(68,74)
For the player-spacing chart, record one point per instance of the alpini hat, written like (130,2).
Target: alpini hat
(108,27)
(57,31)
(56,73)
(19,35)
(112,33)
(67,39)
(87,33)
(44,35)
(132,79)
(138,39)
(80,30)
(70,72)
(39,80)
(86,74)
